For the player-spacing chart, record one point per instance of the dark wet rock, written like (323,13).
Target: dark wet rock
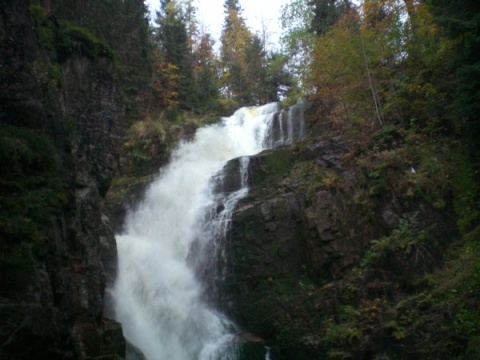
(311,215)
(52,296)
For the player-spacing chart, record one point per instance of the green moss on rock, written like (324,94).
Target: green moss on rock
(376,267)
(32,187)
(73,39)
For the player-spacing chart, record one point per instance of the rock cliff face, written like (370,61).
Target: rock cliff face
(54,275)
(301,244)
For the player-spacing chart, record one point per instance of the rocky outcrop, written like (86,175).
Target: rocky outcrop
(302,240)
(52,301)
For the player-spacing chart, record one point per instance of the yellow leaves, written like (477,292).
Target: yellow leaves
(338,73)
(342,334)
(147,129)
(330,180)
(381,60)
(379,13)
(243,59)
(372,13)
(425,22)
(428,42)
(236,39)
(165,85)
(168,72)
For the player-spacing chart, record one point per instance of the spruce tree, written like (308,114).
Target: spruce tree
(327,13)
(173,43)
(461,21)
(236,38)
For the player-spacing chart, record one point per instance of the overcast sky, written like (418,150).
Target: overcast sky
(210,14)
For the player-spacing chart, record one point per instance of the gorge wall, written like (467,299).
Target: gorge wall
(347,246)
(333,250)
(60,119)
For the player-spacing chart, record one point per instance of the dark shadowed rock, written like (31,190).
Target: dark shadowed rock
(309,218)
(52,296)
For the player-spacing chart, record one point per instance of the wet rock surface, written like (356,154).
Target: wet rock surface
(52,296)
(311,215)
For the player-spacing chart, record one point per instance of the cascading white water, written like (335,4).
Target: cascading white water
(158,298)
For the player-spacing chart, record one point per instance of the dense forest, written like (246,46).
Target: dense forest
(405,63)
(396,80)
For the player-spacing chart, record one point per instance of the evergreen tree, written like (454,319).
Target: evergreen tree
(249,76)
(231,6)
(175,50)
(133,47)
(124,26)
(257,71)
(206,75)
(279,80)
(461,22)
(298,41)
(387,66)
(267,77)
(326,13)
(236,39)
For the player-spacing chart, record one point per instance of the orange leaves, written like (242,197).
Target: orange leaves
(377,62)
(165,85)
(338,75)
(235,39)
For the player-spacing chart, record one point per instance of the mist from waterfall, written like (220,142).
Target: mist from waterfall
(158,297)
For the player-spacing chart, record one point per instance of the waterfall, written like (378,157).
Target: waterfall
(287,127)
(166,248)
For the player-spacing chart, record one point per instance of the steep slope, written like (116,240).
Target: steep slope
(60,120)
(348,249)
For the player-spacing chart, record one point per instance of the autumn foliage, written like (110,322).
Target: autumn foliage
(377,59)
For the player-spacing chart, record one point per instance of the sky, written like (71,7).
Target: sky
(255,12)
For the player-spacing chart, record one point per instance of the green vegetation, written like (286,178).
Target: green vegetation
(388,63)
(33,189)
(274,166)
(398,80)
(397,293)
(75,39)
(67,38)
(412,293)
(168,72)
(440,303)
(149,142)
(189,76)
(409,239)
(251,74)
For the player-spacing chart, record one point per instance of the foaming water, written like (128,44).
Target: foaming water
(158,298)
